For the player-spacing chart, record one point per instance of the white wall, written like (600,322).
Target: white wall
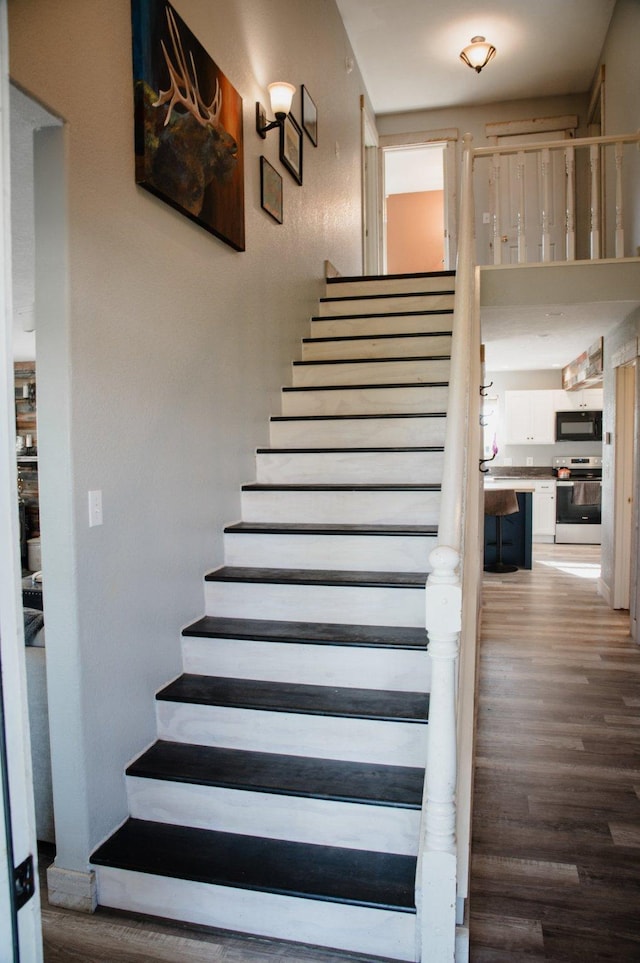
(163,357)
(622,112)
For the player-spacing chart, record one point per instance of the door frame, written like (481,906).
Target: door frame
(625,520)
(20,930)
(428,138)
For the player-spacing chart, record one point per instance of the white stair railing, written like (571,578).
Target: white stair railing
(595,151)
(438,877)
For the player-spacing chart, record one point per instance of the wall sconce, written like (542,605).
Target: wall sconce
(281,95)
(478,54)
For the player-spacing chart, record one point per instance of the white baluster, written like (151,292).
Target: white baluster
(619,212)
(594,154)
(570,224)
(522,241)
(546,203)
(437,868)
(495,209)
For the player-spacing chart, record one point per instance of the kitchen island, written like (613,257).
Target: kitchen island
(516,527)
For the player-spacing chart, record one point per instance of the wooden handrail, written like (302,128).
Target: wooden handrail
(558,144)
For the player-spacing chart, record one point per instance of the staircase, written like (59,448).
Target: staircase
(283,796)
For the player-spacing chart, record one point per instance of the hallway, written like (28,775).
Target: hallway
(556,833)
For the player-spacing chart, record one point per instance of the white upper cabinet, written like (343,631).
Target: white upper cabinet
(529,417)
(588,399)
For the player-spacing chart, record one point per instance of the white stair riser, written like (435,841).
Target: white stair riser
(321,821)
(389,285)
(366,400)
(357,327)
(350,467)
(370,373)
(380,306)
(336,350)
(359,553)
(401,670)
(357,432)
(353,605)
(342,507)
(337,925)
(295,734)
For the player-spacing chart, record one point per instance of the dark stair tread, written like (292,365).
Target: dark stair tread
(378,880)
(313,576)
(407,358)
(284,528)
(368,448)
(379,337)
(363,316)
(315,633)
(390,277)
(317,700)
(262,487)
(367,417)
(268,772)
(359,387)
(380,297)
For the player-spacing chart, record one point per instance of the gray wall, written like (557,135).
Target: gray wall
(161,356)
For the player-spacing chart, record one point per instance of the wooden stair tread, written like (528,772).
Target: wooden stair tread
(390,277)
(410,359)
(300,576)
(382,314)
(331,779)
(317,700)
(381,487)
(367,417)
(368,386)
(380,297)
(302,528)
(367,448)
(378,880)
(315,633)
(378,337)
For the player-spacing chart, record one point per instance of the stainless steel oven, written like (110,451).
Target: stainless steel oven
(578,499)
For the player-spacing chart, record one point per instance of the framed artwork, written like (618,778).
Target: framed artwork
(309,117)
(188,124)
(291,147)
(270,190)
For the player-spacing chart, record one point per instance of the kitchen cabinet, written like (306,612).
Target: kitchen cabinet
(587,399)
(529,417)
(544,511)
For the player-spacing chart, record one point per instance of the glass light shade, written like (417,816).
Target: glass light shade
(281,95)
(478,54)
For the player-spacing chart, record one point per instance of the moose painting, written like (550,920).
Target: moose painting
(188,123)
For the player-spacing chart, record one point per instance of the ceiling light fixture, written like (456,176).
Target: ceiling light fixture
(478,54)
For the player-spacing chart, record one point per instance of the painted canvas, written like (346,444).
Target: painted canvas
(188,123)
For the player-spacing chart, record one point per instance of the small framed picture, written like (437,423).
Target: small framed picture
(309,117)
(291,147)
(270,190)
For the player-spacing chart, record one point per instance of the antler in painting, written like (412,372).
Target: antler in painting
(184,87)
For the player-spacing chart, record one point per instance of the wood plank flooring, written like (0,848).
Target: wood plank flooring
(556,831)
(556,864)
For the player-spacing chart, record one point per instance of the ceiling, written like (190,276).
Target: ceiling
(408,52)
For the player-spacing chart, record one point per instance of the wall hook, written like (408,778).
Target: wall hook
(485,388)
(483,461)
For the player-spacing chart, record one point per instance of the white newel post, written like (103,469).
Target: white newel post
(594,161)
(437,867)
(546,203)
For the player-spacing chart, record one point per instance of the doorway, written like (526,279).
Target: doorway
(414,208)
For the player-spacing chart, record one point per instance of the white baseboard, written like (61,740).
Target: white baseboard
(72,889)
(605,591)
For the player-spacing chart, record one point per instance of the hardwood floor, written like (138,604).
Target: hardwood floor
(556,864)
(556,832)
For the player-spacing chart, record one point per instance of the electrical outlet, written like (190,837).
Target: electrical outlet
(529,461)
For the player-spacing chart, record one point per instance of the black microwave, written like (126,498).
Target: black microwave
(579,425)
